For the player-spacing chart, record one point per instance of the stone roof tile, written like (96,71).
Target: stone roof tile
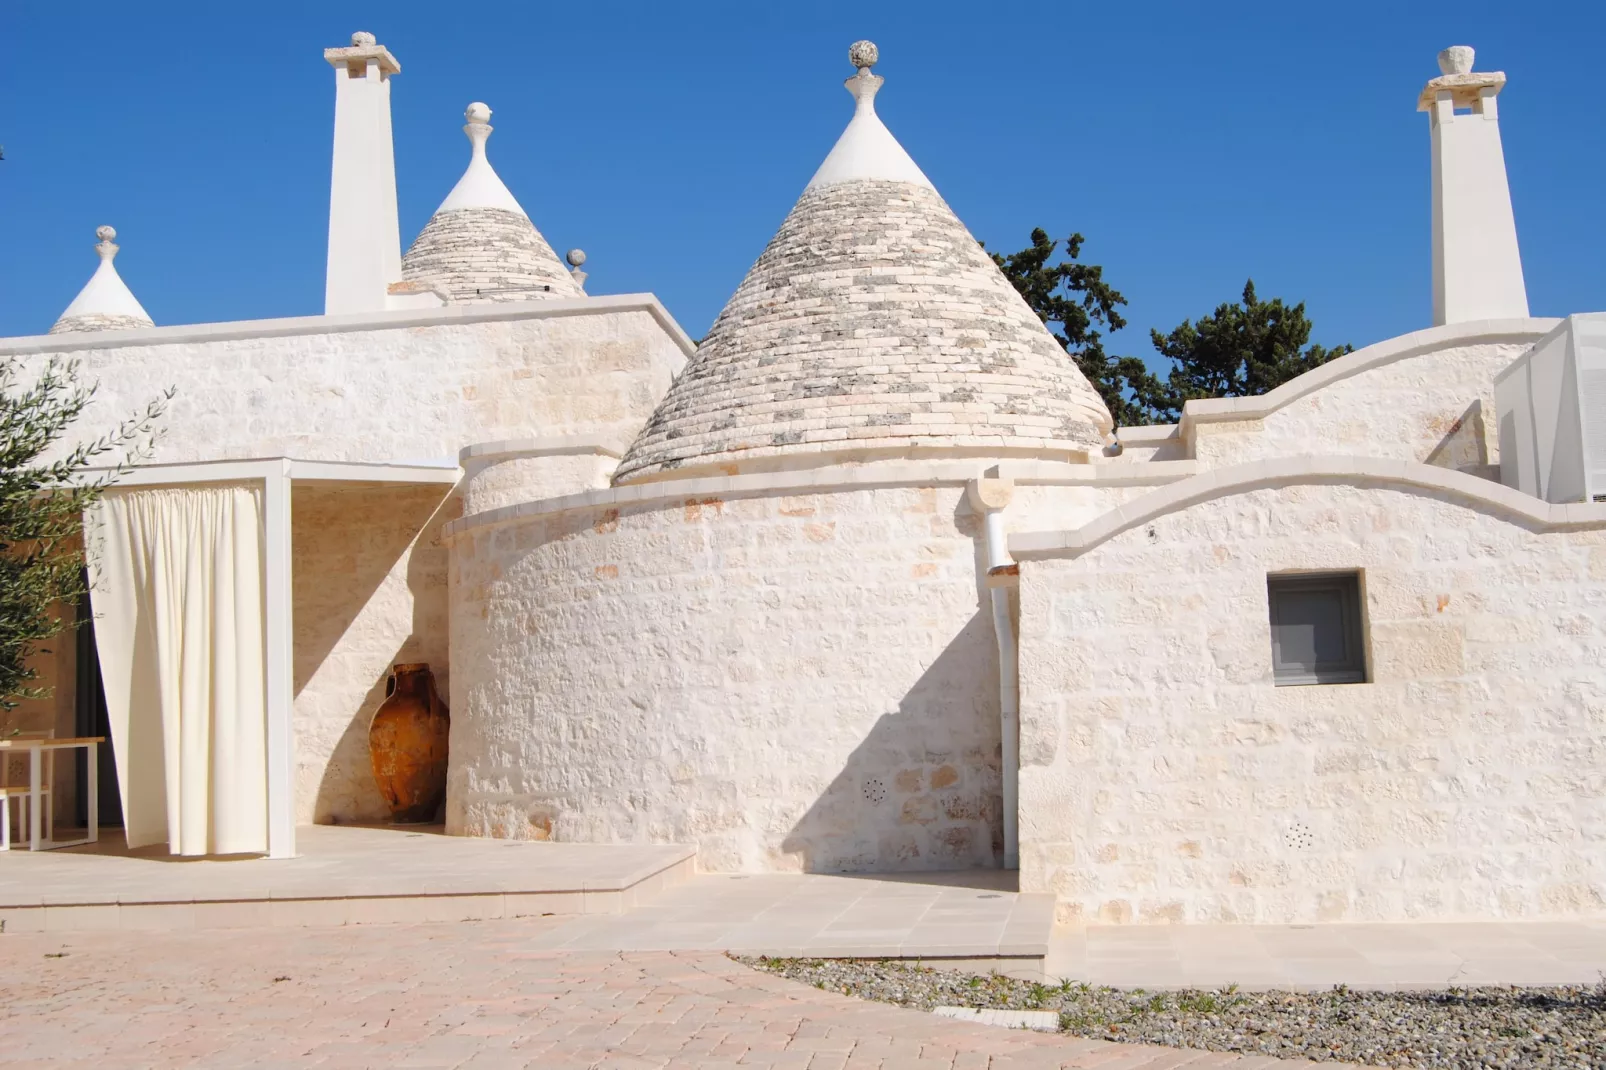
(875,319)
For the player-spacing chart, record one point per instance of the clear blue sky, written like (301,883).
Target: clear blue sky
(1193,144)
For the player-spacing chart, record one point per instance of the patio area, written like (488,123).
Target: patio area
(343,875)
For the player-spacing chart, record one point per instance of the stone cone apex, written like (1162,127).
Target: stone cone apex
(872,323)
(105,303)
(480,245)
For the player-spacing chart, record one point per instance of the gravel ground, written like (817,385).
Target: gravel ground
(1460,1028)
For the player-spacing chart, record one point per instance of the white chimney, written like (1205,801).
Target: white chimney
(364,237)
(1477,270)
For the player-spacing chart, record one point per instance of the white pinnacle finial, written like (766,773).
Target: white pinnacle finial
(1457,59)
(479,187)
(105,302)
(478,126)
(576,259)
(866,148)
(362,38)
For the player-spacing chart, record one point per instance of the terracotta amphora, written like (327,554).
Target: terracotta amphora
(407,744)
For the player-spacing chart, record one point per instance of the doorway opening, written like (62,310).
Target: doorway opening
(92,719)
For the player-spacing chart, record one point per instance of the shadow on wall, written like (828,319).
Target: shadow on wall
(358,609)
(922,790)
(1465,446)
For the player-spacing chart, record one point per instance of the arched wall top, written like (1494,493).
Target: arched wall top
(1388,351)
(1255,475)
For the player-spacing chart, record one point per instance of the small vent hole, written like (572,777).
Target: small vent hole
(1298,837)
(875,791)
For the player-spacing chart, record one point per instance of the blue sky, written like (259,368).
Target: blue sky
(1193,144)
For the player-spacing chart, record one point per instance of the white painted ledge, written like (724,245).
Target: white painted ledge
(554,446)
(392,319)
(1293,471)
(825,481)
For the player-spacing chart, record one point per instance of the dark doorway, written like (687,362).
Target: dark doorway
(91,719)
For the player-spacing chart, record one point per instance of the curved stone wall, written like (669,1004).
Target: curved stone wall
(1165,778)
(498,474)
(1425,397)
(803,682)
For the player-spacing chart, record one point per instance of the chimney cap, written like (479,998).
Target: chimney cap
(1457,78)
(363,48)
(1457,59)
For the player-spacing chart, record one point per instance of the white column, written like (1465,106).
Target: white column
(279,670)
(364,236)
(1477,269)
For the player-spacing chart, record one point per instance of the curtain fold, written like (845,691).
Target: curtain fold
(176,579)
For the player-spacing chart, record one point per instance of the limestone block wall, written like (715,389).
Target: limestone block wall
(370,579)
(498,474)
(1433,404)
(1165,778)
(390,387)
(789,682)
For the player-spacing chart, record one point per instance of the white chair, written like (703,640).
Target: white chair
(14,788)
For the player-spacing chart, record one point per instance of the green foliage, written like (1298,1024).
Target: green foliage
(1073,301)
(1240,350)
(41,509)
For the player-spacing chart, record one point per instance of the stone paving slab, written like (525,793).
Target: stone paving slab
(972,917)
(473,996)
(1413,955)
(334,861)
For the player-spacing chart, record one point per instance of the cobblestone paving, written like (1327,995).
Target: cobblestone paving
(470,996)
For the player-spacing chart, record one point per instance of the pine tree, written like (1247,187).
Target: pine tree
(1073,300)
(41,509)
(1239,350)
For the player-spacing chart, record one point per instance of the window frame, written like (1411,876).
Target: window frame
(1351,588)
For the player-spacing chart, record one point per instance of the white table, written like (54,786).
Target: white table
(36,748)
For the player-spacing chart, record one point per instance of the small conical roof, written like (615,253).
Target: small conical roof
(873,321)
(105,303)
(480,244)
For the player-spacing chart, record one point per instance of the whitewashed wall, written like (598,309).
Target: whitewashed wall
(369,591)
(1165,778)
(1429,399)
(788,682)
(369,571)
(406,393)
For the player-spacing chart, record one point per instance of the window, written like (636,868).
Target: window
(1316,628)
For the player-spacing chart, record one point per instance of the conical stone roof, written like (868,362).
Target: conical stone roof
(480,245)
(105,303)
(873,321)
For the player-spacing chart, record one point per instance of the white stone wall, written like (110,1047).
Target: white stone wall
(1165,778)
(369,590)
(414,393)
(1436,407)
(369,572)
(788,682)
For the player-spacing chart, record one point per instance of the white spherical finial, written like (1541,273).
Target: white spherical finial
(362,38)
(478,113)
(575,257)
(863,54)
(106,233)
(1457,59)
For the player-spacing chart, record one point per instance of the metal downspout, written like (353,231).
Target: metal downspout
(991,497)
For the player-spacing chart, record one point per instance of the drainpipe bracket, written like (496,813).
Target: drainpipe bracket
(1004,576)
(988,494)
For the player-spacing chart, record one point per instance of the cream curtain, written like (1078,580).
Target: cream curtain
(176,579)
